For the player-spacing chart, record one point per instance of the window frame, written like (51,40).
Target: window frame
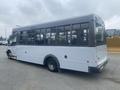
(63,29)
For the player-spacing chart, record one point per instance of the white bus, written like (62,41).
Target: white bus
(76,44)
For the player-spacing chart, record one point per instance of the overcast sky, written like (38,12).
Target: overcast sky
(27,12)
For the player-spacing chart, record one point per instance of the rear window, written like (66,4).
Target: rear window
(100,34)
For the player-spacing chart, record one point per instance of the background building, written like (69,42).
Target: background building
(112,32)
(3,41)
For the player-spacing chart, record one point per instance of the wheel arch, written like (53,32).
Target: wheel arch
(8,51)
(54,58)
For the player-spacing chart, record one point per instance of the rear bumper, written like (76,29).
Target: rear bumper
(99,68)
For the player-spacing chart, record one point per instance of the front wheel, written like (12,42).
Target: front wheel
(9,54)
(52,66)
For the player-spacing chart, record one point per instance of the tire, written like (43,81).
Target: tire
(52,65)
(9,54)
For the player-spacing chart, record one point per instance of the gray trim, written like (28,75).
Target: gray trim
(92,33)
(58,23)
(90,19)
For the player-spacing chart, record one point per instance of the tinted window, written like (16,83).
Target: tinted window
(31,37)
(13,39)
(75,34)
(38,37)
(74,37)
(61,36)
(84,34)
(23,37)
(42,36)
(71,35)
(100,36)
(53,36)
(68,34)
(48,36)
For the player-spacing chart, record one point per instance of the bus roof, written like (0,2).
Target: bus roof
(58,23)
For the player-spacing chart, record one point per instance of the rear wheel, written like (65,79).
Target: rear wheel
(52,65)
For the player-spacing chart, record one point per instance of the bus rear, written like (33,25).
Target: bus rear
(100,46)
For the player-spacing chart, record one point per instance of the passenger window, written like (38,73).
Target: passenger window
(61,36)
(75,34)
(42,37)
(85,31)
(23,37)
(48,35)
(31,37)
(37,38)
(68,34)
(38,35)
(74,37)
(53,36)
(84,34)
(69,37)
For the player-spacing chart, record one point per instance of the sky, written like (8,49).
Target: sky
(18,13)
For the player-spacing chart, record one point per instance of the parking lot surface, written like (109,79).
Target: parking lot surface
(16,75)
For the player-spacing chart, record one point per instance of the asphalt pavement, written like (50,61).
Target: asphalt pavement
(16,75)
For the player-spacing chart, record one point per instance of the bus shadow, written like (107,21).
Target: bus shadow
(86,76)
(64,72)
(29,63)
(79,74)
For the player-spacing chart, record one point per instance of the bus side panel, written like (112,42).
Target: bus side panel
(32,54)
(79,58)
(73,58)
